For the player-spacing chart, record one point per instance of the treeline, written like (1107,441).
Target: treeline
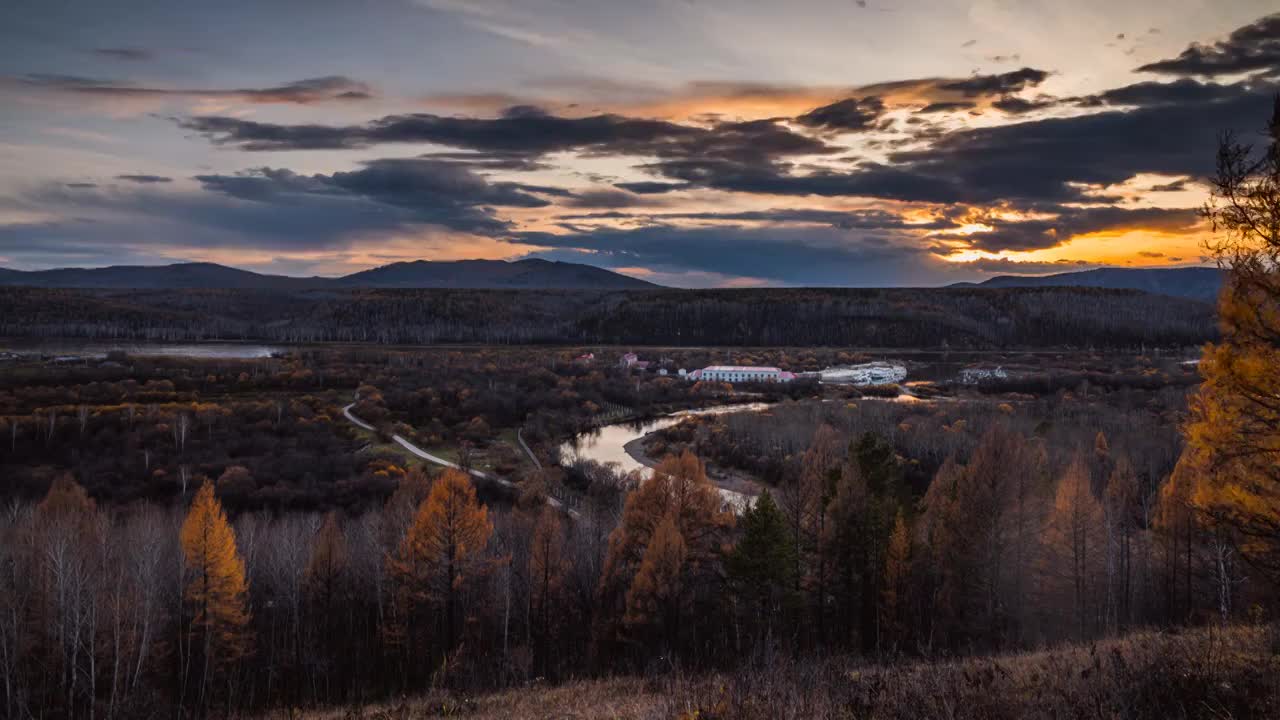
(141,610)
(950,317)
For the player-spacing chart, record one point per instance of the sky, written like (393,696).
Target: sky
(693,143)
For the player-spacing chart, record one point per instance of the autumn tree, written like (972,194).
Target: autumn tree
(679,488)
(1234,428)
(549,564)
(1073,542)
(656,597)
(215,589)
(441,553)
(897,574)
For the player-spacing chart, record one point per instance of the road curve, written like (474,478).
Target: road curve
(437,460)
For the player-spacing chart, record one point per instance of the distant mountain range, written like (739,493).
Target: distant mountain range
(1197,283)
(461,274)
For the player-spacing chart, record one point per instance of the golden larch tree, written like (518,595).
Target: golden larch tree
(215,591)
(444,548)
(1073,539)
(1234,426)
(655,599)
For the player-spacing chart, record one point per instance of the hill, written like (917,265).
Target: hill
(901,317)
(1217,672)
(1197,283)
(462,274)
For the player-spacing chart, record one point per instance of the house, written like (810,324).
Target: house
(632,361)
(741,373)
(585,359)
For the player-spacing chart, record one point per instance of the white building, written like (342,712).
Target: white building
(741,373)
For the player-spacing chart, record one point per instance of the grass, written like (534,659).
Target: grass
(1206,673)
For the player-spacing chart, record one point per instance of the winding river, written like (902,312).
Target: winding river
(607,444)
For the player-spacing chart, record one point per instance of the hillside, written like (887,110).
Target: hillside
(1197,283)
(474,274)
(1213,673)
(904,317)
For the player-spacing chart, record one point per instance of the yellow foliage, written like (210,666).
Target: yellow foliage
(216,588)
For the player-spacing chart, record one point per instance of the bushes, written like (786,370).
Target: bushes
(1204,673)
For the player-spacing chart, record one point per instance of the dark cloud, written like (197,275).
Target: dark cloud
(788,256)
(528,131)
(124,53)
(520,132)
(843,219)
(940,107)
(651,188)
(302,92)
(144,179)
(1005,266)
(81,185)
(1019,106)
(1176,186)
(998,84)
(1178,92)
(847,115)
(433,192)
(1254,47)
(1040,234)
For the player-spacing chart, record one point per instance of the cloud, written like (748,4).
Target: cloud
(998,84)
(940,107)
(1005,266)
(145,179)
(1253,47)
(525,131)
(850,114)
(302,92)
(1178,92)
(771,255)
(428,191)
(131,54)
(1071,222)
(1020,106)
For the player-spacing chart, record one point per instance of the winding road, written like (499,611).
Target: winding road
(437,460)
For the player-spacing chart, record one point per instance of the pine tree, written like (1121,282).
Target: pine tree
(761,567)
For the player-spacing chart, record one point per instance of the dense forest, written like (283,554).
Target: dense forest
(947,317)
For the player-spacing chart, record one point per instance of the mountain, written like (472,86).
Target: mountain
(1197,283)
(468,274)
(480,274)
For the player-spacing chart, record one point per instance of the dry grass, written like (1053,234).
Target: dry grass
(1232,673)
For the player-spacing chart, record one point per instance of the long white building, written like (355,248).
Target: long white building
(741,373)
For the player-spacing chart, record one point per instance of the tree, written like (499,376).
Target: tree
(656,597)
(215,590)
(680,489)
(444,549)
(1234,428)
(897,571)
(1072,538)
(548,567)
(761,568)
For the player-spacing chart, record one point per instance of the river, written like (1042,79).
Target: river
(608,444)
(67,350)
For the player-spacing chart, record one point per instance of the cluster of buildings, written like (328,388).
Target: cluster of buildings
(713,373)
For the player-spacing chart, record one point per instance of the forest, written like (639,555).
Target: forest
(902,317)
